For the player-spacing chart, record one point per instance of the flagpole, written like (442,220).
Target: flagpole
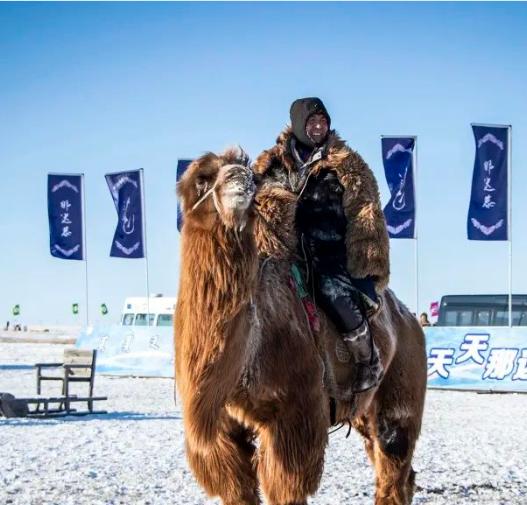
(509,228)
(85,249)
(143,205)
(416,252)
(509,205)
(415,231)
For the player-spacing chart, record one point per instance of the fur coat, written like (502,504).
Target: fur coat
(367,242)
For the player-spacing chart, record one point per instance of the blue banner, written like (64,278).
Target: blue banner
(182,165)
(65,195)
(131,350)
(126,190)
(487,213)
(397,157)
(479,358)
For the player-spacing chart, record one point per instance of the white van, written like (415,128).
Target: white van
(156,311)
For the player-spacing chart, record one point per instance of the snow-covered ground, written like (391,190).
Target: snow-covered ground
(473,448)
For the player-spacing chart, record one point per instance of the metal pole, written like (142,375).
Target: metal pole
(85,249)
(143,208)
(415,231)
(509,198)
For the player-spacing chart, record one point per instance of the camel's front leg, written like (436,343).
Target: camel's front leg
(291,453)
(227,469)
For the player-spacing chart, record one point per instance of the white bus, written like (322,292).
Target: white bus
(156,311)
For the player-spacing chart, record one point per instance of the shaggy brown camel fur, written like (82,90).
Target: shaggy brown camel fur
(237,381)
(248,365)
(388,417)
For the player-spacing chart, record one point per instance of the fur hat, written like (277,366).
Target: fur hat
(300,111)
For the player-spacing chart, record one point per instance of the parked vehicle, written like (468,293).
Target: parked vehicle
(482,310)
(154,311)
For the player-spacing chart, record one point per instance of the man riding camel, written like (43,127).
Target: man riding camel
(341,229)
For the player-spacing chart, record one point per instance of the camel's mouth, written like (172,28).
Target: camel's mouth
(237,197)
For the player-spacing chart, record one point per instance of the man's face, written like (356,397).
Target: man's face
(317,128)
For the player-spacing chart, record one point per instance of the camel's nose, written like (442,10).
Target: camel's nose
(241,182)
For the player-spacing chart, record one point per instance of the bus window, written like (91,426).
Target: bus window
(501,318)
(450,318)
(164,320)
(458,317)
(483,318)
(128,319)
(140,320)
(465,318)
(520,319)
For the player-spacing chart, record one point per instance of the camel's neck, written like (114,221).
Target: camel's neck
(218,270)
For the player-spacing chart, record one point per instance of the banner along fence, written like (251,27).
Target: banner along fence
(477,358)
(464,358)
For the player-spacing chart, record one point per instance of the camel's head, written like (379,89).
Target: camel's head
(218,187)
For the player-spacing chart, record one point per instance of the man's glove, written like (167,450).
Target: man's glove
(371,307)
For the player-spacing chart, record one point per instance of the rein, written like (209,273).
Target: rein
(205,196)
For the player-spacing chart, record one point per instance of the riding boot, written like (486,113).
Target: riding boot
(365,353)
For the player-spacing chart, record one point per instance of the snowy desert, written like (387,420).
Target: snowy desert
(471,450)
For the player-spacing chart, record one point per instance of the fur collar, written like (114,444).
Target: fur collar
(336,153)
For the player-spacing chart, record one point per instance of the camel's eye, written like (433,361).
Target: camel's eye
(202,184)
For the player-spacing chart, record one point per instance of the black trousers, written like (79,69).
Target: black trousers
(336,293)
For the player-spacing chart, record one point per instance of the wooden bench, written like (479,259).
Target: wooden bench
(78,366)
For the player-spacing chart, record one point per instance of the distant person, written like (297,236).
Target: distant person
(6,326)
(423,320)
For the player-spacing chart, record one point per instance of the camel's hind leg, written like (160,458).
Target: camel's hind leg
(390,444)
(227,468)
(393,447)
(394,418)
(291,456)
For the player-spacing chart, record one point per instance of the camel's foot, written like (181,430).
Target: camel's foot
(290,503)
(247,499)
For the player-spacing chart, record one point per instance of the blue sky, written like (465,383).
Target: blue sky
(102,87)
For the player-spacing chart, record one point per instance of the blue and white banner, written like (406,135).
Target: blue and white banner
(479,358)
(182,165)
(487,213)
(131,350)
(397,157)
(65,203)
(126,189)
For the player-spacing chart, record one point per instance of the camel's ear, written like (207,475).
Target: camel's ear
(181,189)
(181,196)
(184,190)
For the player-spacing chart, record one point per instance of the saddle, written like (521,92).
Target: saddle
(338,376)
